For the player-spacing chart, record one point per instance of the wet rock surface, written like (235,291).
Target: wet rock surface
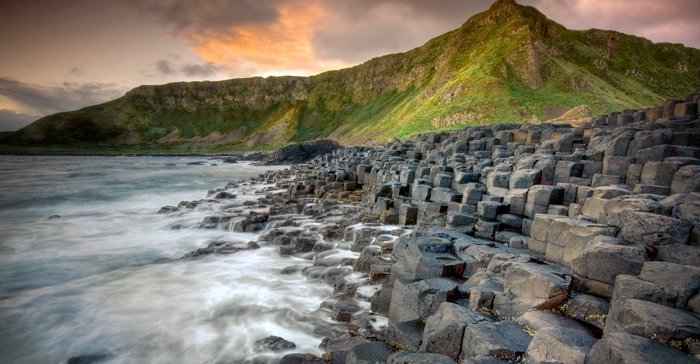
(542,243)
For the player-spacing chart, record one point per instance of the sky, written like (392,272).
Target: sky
(61,55)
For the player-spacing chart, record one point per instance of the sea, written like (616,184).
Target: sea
(91,272)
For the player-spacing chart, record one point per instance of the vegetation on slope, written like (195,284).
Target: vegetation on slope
(508,64)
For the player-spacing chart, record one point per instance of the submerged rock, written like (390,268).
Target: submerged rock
(222,247)
(273,343)
(88,358)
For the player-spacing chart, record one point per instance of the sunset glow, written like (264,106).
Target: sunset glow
(279,48)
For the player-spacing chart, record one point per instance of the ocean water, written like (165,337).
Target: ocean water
(89,269)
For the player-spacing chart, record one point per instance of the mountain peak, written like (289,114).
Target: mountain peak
(502,10)
(509,63)
(503,4)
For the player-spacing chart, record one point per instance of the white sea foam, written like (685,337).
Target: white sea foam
(106,279)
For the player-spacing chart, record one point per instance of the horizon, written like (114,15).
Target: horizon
(169,41)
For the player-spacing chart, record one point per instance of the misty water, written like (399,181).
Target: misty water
(105,279)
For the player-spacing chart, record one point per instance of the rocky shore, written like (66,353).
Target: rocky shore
(501,243)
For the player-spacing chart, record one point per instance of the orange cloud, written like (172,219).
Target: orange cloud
(277,48)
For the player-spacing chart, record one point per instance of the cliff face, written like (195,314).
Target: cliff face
(509,63)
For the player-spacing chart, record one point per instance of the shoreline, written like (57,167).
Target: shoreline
(504,242)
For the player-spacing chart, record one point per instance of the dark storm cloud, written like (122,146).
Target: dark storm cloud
(200,70)
(447,10)
(11,120)
(167,68)
(46,100)
(206,15)
(164,67)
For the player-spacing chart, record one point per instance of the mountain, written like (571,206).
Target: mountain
(509,63)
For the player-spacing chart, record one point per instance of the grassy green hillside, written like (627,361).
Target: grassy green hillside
(508,64)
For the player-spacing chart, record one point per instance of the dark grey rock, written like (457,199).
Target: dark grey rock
(412,357)
(559,345)
(649,319)
(624,348)
(273,343)
(444,330)
(504,340)
(368,353)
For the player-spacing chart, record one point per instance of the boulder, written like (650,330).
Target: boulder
(445,195)
(632,287)
(559,345)
(405,335)
(594,208)
(524,178)
(417,300)
(568,238)
(435,265)
(497,183)
(534,286)
(412,357)
(686,180)
(273,343)
(658,173)
(585,307)
(653,229)
(475,255)
(616,209)
(605,258)
(545,195)
(444,330)
(485,229)
(599,180)
(623,348)
(609,192)
(683,281)
(540,229)
(679,254)
(301,152)
(298,358)
(472,193)
(504,340)
(337,349)
(564,170)
(617,165)
(368,353)
(536,320)
(652,320)
(442,180)
(489,210)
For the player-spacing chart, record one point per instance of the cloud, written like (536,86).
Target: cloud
(164,67)
(43,100)
(206,15)
(675,21)
(75,71)
(167,68)
(282,47)
(304,36)
(11,120)
(200,70)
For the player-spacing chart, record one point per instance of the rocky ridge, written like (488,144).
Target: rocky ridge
(507,63)
(543,243)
